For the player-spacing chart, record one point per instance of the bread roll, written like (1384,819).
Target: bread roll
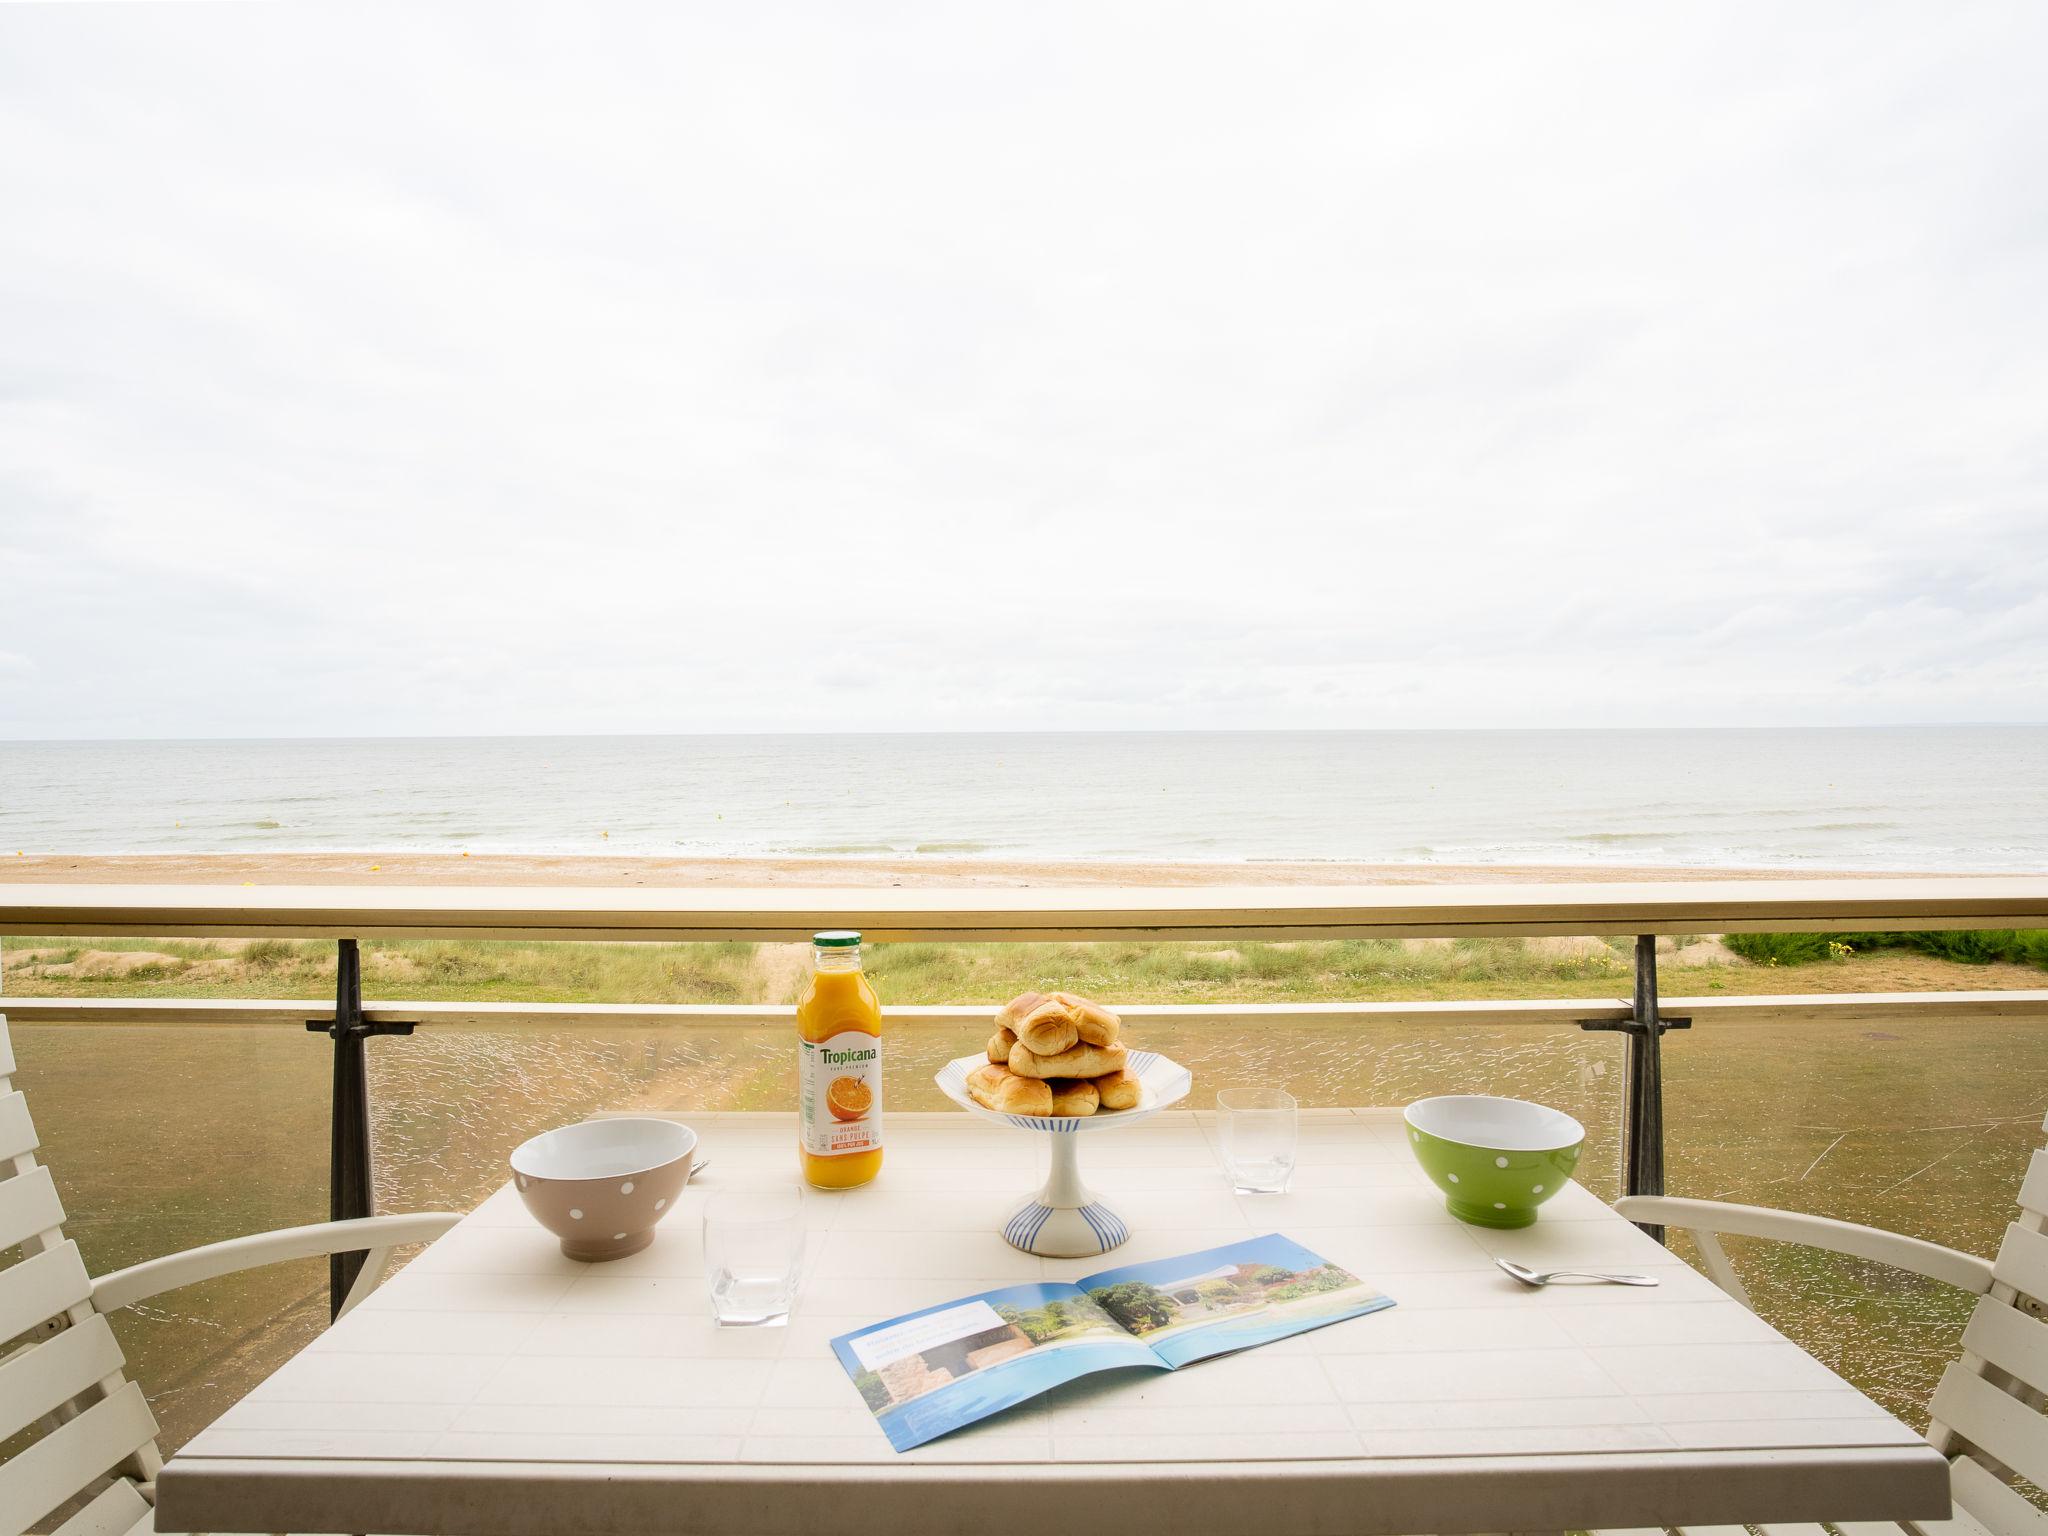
(1119,1090)
(1074,1096)
(1012,1013)
(998,1088)
(1048,1029)
(999,1045)
(1096,1024)
(983,1081)
(1076,1061)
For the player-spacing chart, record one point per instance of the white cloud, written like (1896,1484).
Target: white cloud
(412,369)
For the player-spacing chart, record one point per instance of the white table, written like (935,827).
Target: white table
(495,1387)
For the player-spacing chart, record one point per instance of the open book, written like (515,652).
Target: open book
(930,1372)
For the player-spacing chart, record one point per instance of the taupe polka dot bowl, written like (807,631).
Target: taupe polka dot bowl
(601,1186)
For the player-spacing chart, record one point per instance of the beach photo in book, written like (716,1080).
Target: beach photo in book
(933,1371)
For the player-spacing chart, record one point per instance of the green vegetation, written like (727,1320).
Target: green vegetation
(1311,1281)
(1965,946)
(1180,972)
(1056,1319)
(873,1391)
(423,969)
(1141,1308)
(431,970)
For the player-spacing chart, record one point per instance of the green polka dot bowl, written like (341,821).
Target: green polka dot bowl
(1496,1160)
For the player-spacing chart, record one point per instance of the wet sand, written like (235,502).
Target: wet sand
(598,869)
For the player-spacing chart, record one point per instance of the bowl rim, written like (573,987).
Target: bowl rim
(689,1147)
(1529,1143)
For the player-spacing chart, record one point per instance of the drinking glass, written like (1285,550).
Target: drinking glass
(1258,1139)
(753,1253)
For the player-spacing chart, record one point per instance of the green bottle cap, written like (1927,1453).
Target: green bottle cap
(836,938)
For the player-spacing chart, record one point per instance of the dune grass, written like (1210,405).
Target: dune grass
(1361,969)
(1243,972)
(1964,946)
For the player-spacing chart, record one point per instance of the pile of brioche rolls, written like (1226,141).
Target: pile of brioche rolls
(1054,1054)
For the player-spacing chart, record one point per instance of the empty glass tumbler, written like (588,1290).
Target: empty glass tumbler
(754,1255)
(1259,1137)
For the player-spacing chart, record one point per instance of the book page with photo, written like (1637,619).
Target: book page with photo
(932,1371)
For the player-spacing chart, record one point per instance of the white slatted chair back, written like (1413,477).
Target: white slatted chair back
(62,1376)
(1986,1414)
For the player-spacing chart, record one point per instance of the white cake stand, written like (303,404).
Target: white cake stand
(1064,1220)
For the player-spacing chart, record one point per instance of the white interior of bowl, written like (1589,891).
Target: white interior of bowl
(603,1149)
(1504,1125)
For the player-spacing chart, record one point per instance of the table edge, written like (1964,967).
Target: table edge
(1371,1496)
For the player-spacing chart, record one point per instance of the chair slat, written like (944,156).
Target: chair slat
(2014,1342)
(47,1375)
(119,1509)
(1960,1523)
(1992,1503)
(6,1050)
(1869,1528)
(2034,1187)
(2000,1425)
(17,1130)
(41,1287)
(2022,1262)
(67,1460)
(1714,1530)
(1793,1530)
(28,1205)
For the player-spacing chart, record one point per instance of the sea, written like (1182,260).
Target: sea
(1961,798)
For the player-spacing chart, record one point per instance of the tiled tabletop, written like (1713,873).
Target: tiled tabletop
(495,1386)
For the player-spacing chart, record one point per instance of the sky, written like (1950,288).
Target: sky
(428,369)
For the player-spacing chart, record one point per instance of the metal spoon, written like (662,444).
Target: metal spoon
(1538,1278)
(698,1167)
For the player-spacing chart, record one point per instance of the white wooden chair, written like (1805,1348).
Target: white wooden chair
(60,1367)
(1986,1415)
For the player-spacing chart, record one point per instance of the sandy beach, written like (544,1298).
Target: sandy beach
(588,869)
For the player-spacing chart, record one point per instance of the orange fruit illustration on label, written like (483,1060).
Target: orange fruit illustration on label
(849,1098)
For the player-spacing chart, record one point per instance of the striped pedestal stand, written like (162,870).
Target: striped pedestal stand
(1064,1220)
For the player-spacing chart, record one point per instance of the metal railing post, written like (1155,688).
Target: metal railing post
(1643,1161)
(351,1173)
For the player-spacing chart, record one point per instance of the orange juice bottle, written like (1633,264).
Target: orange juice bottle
(839,1067)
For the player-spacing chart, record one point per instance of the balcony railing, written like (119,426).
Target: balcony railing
(1000,915)
(347,915)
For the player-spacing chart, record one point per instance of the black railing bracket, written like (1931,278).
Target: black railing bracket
(1645,1029)
(351,1176)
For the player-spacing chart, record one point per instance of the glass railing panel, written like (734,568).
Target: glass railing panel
(165,1138)
(451,1101)
(1922,1126)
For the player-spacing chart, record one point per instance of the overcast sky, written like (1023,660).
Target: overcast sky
(610,368)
